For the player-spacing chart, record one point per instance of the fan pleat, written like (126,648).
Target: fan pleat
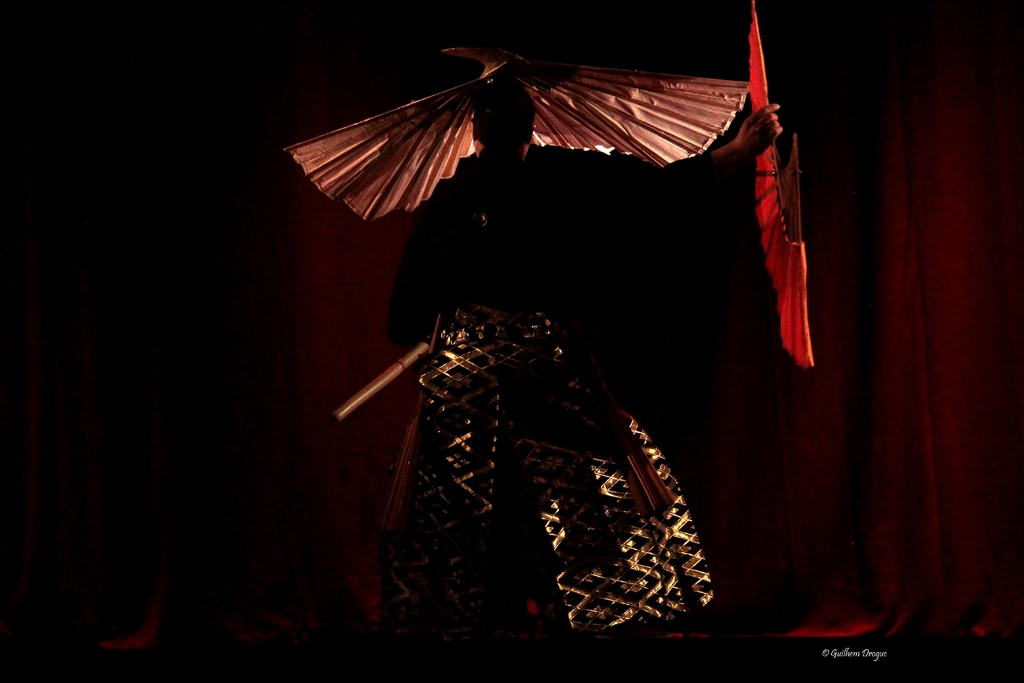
(395,159)
(439,158)
(647,115)
(420,151)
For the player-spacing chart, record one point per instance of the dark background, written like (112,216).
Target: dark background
(181,311)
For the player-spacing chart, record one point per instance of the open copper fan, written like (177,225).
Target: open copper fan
(395,160)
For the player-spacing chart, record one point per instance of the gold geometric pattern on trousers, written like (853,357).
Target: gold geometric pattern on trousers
(515,446)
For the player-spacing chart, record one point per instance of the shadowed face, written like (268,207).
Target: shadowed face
(503,116)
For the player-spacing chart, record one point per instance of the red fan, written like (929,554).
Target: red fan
(778,211)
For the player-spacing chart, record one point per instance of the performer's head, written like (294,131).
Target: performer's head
(503,115)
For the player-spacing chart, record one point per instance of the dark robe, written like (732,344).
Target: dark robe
(522,508)
(552,233)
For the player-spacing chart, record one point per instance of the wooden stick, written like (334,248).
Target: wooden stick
(399,500)
(386,378)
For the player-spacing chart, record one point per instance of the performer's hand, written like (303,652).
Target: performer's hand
(755,135)
(759,131)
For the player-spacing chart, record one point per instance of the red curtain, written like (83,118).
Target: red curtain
(182,310)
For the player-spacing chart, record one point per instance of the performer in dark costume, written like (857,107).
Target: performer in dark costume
(527,514)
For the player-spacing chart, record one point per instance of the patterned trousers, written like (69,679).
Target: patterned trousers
(522,513)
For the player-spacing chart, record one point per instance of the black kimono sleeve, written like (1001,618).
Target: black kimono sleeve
(416,294)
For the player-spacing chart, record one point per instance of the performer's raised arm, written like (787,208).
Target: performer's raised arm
(755,135)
